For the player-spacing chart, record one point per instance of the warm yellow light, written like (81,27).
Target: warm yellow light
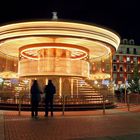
(8,74)
(75,51)
(99,75)
(55,27)
(95,43)
(54,66)
(16,35)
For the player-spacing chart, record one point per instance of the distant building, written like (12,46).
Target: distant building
(127,55)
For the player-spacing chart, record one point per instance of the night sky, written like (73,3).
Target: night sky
(122,16)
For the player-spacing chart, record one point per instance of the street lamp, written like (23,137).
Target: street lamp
(125,85)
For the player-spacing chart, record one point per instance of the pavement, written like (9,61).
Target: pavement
(115,124)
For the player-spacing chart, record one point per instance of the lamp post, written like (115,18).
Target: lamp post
(125,87)
(125,91)
(139,86)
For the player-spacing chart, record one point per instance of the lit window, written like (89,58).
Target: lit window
(121,75)
(121,58)
(135,59)
(114,76)
(128,76)
(128,59)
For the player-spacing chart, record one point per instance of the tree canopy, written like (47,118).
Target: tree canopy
(134,82)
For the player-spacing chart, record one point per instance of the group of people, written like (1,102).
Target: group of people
(49,92)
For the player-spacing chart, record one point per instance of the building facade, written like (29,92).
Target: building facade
(124,60)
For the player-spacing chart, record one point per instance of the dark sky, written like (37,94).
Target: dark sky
(122,16)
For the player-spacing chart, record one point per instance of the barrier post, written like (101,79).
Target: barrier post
(19,106)
(63,105)
(128,102)
(137,99)
(103,105)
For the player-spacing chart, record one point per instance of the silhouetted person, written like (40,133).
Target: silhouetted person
(35,98)
(49,92)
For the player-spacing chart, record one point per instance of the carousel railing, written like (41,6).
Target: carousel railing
(69,99)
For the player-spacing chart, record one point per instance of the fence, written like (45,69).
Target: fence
(75,102)
(65,102)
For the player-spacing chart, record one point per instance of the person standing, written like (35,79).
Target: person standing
(49,92)
(35,98)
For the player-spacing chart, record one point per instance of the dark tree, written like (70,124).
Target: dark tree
(134,82)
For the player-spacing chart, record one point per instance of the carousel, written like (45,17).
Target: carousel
(66,52)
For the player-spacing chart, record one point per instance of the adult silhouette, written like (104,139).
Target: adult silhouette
(35,98)
(49,92)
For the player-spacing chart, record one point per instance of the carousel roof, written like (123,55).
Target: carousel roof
(99,41)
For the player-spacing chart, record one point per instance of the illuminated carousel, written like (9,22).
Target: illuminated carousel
(58,50)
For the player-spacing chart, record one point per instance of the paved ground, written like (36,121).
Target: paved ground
(117,124)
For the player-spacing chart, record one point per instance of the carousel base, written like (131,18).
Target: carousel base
(58,107)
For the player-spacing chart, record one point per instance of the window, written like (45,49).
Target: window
(114,58)
(125,41)
(121,58)
(128,68)
(128,59)
(114,68)
(128,51)
(128,76)
(121,75)
(121,68)
(120,50)
(114,76)
(135,59)
(134,51)
(131,42)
